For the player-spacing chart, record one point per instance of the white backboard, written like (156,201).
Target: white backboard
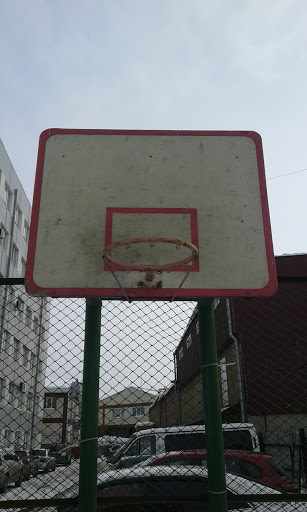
(95,187)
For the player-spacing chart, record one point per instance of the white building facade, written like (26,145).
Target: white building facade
(120,413)
(24,321)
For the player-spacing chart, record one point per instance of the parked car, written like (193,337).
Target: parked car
(11,470)
(45,462)
(30,465)
(255,466)
(61,453)
(143,444)
(4,475)
(174,482)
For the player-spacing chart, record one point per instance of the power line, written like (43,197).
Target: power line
(287,174)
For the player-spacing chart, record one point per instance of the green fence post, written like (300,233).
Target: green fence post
(89,412)
(213,417)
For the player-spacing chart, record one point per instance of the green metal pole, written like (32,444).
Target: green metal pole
(213,417)
(89,413)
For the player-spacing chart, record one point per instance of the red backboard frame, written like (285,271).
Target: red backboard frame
(143,294)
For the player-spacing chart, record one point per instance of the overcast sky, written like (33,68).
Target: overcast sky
(138,341)
(163,64)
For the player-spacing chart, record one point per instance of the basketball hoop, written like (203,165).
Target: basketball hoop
(150,268)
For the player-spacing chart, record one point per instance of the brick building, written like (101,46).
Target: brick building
(261,344)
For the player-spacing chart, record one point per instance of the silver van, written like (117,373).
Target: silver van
(145,443)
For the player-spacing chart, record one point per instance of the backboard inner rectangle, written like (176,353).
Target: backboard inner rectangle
(125,223)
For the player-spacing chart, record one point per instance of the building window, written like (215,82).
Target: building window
(6,341)
(20,307)
(6,338)
(8,437)
(117,413)
(33,360)
(20,400)
(18,438)
(26,230)
(27,438)
(40,366)
(35,324)
(138,411)
(2,390)
(28,317)
(15,256)
(224,383)
(8,197)
(13,394)
(18,217)
(22,267)
(50,402)
(16,352)
(11,296)
(30,401)
(25,356)
(4,239)
(180,354)
(188,341)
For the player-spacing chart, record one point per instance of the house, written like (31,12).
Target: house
(119,413)
(24,321)
(62,414)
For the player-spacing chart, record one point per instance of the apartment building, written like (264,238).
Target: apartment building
(24,321)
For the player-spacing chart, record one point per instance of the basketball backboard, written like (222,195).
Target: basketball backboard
(97,187)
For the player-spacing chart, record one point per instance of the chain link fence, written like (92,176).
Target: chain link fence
(150,377)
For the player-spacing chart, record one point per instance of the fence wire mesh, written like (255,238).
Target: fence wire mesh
(150,377)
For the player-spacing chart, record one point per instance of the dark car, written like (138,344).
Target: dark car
(61,453)
(11,469)
(170,489)
(173,489)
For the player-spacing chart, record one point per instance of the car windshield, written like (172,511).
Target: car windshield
(183,441)
(118,454)
(57,448)
(9,456)
(185,461)
(156,487)
(20,453)
(237,440)
(39,453)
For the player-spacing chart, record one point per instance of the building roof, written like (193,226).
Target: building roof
(291,265)
(129,395)
(54,389)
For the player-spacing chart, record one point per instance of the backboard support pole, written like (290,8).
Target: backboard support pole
(212,407)
(89,412)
